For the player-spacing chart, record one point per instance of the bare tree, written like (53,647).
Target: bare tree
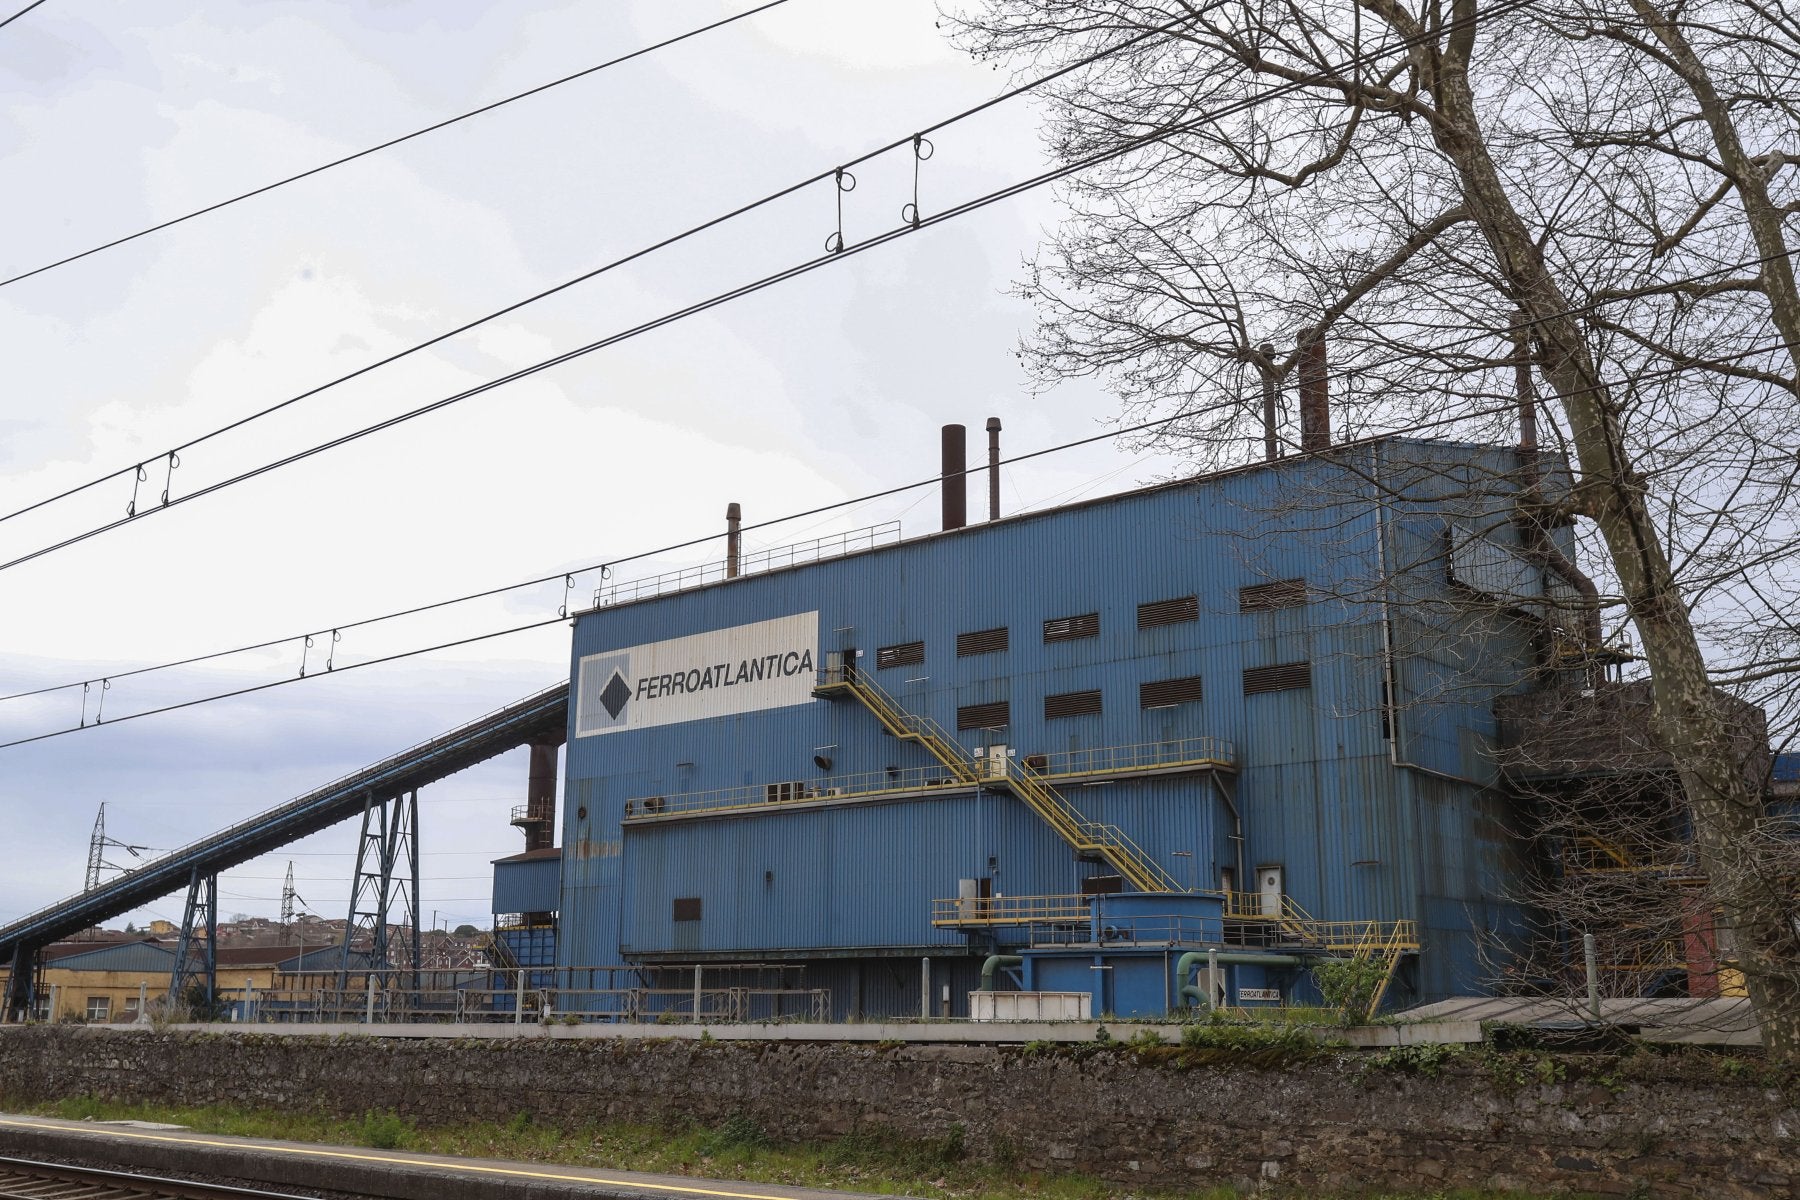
(1600,189)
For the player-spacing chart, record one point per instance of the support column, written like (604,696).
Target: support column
(199,923)
(387,872)
(21,984)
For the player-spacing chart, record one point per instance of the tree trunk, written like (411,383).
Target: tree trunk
(1724,801)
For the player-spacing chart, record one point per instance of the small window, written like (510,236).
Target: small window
(687,908)
(99,1009)
(1283,593)
(1167,693)
(1072,704)
(1070,629)
(906,654)
(982,641)
(1283,677)
(1178,611)
(984,716)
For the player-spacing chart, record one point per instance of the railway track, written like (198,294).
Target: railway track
(24,1179)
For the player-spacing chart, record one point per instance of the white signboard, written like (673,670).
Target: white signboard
(1259,993)
(746,668)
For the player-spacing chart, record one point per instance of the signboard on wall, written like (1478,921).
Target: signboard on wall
(746,668)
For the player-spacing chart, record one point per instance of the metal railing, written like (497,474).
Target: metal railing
(1123,760)
(754,562)
(529,995)
(1109,841)
(1108,760)
(1063,920)
(763,795)
(962,911)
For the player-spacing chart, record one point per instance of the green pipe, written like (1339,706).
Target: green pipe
(994,963)
(1227,958)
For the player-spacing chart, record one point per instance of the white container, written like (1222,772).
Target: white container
(1031,1006)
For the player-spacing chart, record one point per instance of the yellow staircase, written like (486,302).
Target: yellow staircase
(1087,837)
(1399,940)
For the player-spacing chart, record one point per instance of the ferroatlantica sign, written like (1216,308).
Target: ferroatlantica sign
(768,664)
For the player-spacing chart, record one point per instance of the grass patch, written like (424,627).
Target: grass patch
(873,1159)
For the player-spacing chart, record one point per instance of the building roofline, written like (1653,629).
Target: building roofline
(1058,510)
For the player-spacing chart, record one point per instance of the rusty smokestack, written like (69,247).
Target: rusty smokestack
(1315,394)
(956,477)
(734,539)
(993,432)
(540,797)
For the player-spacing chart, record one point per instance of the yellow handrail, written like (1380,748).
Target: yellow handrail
(1085,836)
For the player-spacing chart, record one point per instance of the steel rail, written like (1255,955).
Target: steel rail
(29,1179)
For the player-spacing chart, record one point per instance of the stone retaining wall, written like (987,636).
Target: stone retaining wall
(1643,1126)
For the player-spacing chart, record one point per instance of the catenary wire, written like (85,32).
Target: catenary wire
(964,208)
(717,300)
(391,142)
(20,13)
(586,276)
(1415,427)
(591,567)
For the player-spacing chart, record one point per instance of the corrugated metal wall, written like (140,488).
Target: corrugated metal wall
(530,885)
(1319,792)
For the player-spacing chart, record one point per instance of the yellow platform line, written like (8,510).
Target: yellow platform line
(385,1159)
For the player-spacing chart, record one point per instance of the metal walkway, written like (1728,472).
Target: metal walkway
(542,715)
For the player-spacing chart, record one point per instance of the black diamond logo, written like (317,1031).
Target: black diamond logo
(616,694)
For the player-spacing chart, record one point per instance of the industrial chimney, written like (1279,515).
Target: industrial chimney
(956,477)
(993,432)
(1315,399)
(734,520)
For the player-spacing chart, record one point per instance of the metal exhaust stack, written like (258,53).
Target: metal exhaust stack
(1315,398)
(734,519)
(1271,446)
(1527,396)
(956,476)
(993,432)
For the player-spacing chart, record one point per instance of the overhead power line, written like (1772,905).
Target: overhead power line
(930,481)
(836,250)
(387,145)
(333,630)
(20,13)
(137,470)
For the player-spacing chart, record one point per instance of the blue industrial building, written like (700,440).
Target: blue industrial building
(1188,739)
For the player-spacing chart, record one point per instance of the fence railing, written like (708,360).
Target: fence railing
(529,995)
(753,562)
(1103,760)
(1066,920)
(757,795)
(1143,756)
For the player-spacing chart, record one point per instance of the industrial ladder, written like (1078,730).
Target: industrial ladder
(1389,950)
(1087,837)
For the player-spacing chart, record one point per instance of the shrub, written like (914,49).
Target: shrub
(383,1130)
(1349,985)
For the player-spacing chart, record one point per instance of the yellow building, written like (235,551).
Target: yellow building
(102,982)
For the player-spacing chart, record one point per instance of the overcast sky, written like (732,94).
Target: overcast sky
(120,115)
